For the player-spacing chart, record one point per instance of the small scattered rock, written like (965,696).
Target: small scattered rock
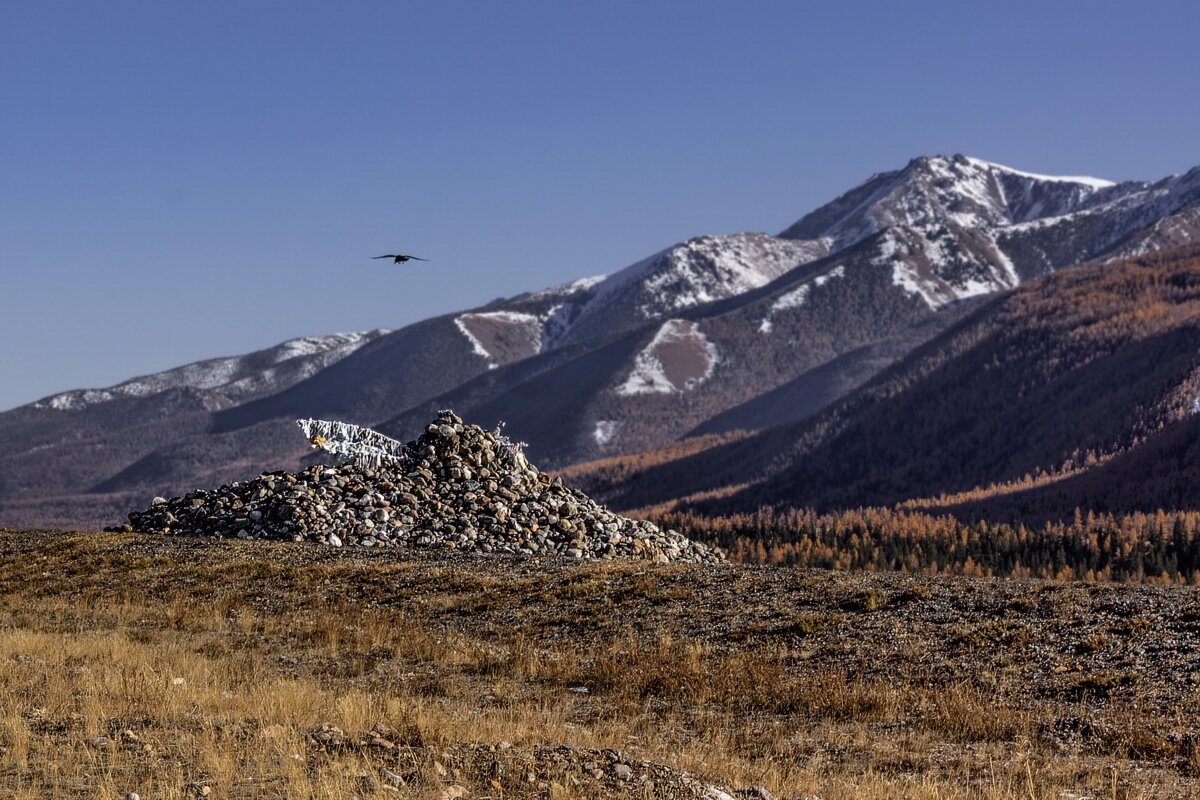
(755,793)
(329,737)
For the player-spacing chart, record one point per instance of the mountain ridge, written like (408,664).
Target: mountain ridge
(644,355)
(1017,411)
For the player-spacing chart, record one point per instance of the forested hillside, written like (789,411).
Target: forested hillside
(1079,389)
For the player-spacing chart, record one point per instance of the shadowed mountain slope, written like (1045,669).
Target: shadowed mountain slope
(1038,397)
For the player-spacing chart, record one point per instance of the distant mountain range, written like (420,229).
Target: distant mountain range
(1077,390)
(718,334)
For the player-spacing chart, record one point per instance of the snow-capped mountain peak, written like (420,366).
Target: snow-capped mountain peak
(951,227)
(929,190)
(234,378)
(698,271)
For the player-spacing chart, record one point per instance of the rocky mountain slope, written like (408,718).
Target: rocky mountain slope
(663,379)
(716,333)
(1080,389)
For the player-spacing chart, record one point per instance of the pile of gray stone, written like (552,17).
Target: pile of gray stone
(456,487)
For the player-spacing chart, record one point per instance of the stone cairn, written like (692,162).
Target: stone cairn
(457,487)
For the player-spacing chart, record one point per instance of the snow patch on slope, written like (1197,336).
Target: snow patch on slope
(1095,183)
(502,336)
(557,321)
(793,299)
(573,287)
(704,270)
(932,265)
(476,345)
(679,358)
(605,431)
(712,268)
(1177,230)
(508,317)
(798,296)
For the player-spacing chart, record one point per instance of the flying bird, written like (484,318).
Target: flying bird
(400,259)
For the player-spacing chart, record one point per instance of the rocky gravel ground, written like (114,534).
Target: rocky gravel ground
(1087,644)
(849,677)
(457,487)
(445,773)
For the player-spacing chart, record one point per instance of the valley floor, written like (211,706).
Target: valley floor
(181,668)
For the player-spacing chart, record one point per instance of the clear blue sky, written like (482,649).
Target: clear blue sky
(181,180)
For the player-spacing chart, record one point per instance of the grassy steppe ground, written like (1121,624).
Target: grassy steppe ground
(206,666)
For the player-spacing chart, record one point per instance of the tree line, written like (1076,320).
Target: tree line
(1163,547)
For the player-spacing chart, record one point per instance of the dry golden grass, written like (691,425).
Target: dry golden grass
(208,668)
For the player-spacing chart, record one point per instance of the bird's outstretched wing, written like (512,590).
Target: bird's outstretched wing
(414,258)
(387,256)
